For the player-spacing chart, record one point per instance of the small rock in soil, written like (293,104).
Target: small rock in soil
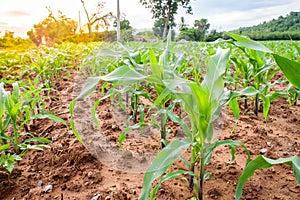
(263,151)
(96,197)
(48,188)
(40,183)
(269,144)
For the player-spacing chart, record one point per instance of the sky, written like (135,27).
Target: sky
(20,15)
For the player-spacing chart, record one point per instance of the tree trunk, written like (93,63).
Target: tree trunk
(118,21)
(165,33)
(88,18)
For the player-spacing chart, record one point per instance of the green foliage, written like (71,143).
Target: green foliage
(126,30)
(213,36)
(291,69)
(283,28)
(16,112)
(189,34)
(196,33)
(52,29)
(8,41)
(124,24)
(159,28)
(262,162)
(106,36)
(202,103)
(255,72)
(166,10)
(30,74)
(161,163)
(176,78)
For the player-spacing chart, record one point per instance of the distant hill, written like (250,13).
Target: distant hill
(283,28)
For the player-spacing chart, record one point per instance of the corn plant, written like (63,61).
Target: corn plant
(291,69)
(137,67)
(202,103)
(254,72)
(15,113)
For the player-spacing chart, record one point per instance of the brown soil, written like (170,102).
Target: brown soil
(75,173)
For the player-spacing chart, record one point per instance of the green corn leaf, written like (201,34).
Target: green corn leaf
(173,117)
(124,75)
(290,69)
(8,161)
(16,92)
(152,57)
(71,107)
(110,53)
(266,105)
(89,87)
(163,160)
(297,47)
(72,124)
(248,91)
(122,137)
(169,176)
(243,41)
(48,116)
(94,109)
(213,80)
(262,162)
(142,113)
(230,143)
(4,147)
(163,97)
(234,106)
(37,139)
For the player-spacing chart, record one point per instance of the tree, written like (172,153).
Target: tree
(189,34)
(52,29)
(97,18)
(125,29)
(197,33)
(213,35)
(124,24)
(202,26)
(182,24)
(167,10)
(10,41)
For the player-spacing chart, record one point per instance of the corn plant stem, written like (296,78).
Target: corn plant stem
(163,129)
(16,138)
(296,99)
(256,104)
(192,168)
(201,179)
(135,108)
(127,99)
(2,139)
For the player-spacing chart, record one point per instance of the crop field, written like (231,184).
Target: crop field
(166,120)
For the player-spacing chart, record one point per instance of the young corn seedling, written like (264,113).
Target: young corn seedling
(15,113)
(256,72)
(202,103)
(291,69)
(136,68)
